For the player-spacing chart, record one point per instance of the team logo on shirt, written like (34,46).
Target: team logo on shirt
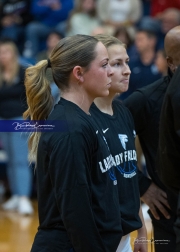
(123,139)
(124,162)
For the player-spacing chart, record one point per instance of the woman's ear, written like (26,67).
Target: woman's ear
(78,74)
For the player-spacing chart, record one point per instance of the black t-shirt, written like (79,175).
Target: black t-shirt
(76,199)
(119,134)
(13,97)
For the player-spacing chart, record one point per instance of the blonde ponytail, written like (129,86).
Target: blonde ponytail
(68,53)
(39,100)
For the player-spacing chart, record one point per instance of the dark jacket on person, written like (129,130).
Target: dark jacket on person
(168,162)
(145,105)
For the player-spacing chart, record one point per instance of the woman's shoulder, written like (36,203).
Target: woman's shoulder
(76,120)
(70,130)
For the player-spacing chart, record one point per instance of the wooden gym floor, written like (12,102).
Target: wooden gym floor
(17,232)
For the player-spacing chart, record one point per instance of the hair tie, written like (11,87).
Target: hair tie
(49,63)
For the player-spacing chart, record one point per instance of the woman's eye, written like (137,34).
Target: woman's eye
(105,65)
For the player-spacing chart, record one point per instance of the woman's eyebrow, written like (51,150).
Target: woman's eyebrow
(120,60)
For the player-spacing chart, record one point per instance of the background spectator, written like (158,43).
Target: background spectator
(48,15)
(14,16)
(12,106)
(52,40)
(83,19)
(161,62)
(119,13)
(168,20)
(159,6)
(126,36)
(142,65)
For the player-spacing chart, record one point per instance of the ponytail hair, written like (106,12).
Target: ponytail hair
(39,100)
(77,50)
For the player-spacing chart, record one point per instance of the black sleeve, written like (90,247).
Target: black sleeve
(173,93)
(136,103)
(175,102)
(177,226)
(144,183)
(71,178)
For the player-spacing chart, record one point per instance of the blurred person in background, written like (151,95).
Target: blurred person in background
(142,65)
(157,7)
(52,40)
(48,15)
(83,19)
(169,19)
(123,34)
(117,13)
(14,16)
(161,62)
(12,106)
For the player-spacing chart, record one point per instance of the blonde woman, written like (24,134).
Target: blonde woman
(12,106)
(83,19)
(77,205)
(116,124)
